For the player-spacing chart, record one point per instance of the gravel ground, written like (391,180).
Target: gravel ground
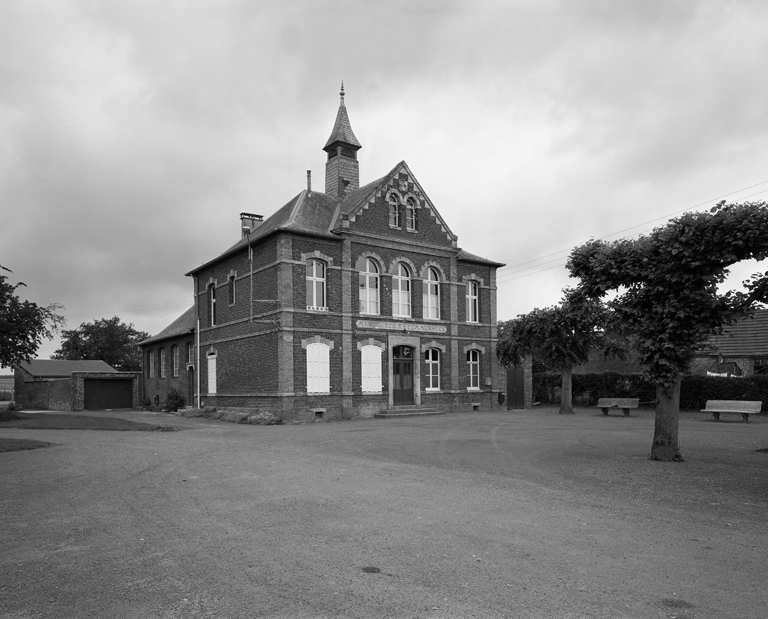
(520,514)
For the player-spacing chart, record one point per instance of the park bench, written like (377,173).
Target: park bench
(625,404)
(745,408)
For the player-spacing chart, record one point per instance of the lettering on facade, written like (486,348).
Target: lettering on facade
(400,326)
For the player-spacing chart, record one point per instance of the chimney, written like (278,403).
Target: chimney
(249,222)
(309,181)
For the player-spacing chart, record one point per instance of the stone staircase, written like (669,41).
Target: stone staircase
(407,411)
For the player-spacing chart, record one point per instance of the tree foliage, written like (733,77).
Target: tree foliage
(23,324)
(668,297)
(108,339)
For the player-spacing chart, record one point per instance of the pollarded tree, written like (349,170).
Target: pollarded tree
(108,339)
(23,324)
(561,336)
(667,284)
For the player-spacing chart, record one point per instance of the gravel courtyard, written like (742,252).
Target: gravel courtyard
(520,514)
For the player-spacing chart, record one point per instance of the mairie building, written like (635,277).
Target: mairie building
(341,304)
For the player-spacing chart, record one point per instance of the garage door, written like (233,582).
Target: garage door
(101,393)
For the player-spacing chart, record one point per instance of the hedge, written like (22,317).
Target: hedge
(694,390)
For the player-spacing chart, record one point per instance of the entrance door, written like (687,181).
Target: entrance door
(402,375)
(190,387)
(515,388)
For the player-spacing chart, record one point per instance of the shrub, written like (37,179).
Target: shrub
(174,400)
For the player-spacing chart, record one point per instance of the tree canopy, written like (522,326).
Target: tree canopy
(23,324)
(108,339)
(668,298)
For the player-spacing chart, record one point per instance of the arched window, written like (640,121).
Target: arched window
(432,361)
(212,305)
(212,373)
(231,282)
(316,285)
(175,360)
(410,214)
(473,301)
(394,211)
(151,363)
(371,369)
(190,358)
(401,291)
(318,368)
(432,294)
(162,362)
(369,288)
(473,369)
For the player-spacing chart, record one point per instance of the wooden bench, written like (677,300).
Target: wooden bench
(745,408)
(625,404)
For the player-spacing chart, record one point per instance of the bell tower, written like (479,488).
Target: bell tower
(342,170)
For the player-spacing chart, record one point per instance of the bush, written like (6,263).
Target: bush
(694,390)
(174,400)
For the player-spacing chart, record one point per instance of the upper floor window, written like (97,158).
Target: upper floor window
(189,353)
(318,368)
(401,291)
(473,369)
(369,288)
(394,211)
(432,294)
(473,301)
(432,361)
(151,364)
(410,214)
(162,362)
(316,285)
(231,289)
(175,360)
(212,305)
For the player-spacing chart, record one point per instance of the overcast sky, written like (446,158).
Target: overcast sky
(132,134)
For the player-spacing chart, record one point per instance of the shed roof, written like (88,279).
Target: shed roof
(51,368)
(183,325)
(747,338)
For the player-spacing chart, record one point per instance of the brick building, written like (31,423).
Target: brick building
(347,302)
(742,349)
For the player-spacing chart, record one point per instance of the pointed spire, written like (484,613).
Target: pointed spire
(342,130)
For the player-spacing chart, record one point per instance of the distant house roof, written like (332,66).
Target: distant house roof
(748,338)
(183,325)
(55,368)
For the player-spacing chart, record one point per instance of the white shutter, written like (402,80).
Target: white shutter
(212,374)
(318,368)
(371,370)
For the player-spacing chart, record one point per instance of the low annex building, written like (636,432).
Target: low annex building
(346,302)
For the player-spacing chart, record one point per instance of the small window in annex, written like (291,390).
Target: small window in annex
(473,369)
(371,368)
(410,214)
(369,288)
(212,373)
(432,361)
(318,368)
(231,288)
(473,303)
(175,360)
(162,362)
(316,285)
(401,291)
(394,211)
(432,294)
(212,305)
(190,349)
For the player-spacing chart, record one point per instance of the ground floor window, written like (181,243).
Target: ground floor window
(473,369)
(212,373)
(318,368)
(371,369)
(432,361)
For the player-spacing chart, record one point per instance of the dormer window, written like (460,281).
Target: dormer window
(394,211)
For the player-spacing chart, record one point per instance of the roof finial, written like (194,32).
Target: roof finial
(342,89)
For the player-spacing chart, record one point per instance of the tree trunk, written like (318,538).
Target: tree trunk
(566,392)
(665,446)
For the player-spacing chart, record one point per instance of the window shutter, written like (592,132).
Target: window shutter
(212,375)
(318,368)
(371,369)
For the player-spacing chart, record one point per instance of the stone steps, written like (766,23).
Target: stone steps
(407,411)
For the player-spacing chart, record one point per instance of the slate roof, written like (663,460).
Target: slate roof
(181,326)
(748,338)
(53,368)
(342,129)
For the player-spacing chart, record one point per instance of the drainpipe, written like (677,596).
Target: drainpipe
(198,361)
